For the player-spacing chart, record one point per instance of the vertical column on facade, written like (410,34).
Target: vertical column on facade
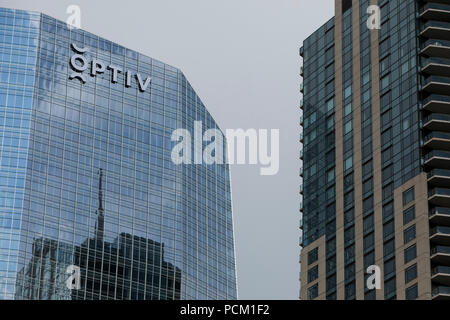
(376,134)
(339,153)
(357,157)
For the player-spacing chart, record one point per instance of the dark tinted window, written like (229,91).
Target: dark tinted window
(411,273)
(410,253)
(313,255)
(408,196)
(410,234)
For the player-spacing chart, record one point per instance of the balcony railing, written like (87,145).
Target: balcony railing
(439,197)
(437,117)
(439,178)
(436,43)
(438,135)
(438,291)
(441,275)
(437,154)
(435,30)
(437,103)
(441,211)
(436,48)
(435,60)
(436,84)
(440,216)
(439,172)
(438,140)
(440,230)
(436,24)
(435,66)
(440,269)
(439,191)
(440,250)
(434,5)
(437,79)
(435,11)
(436,97)
(440,254)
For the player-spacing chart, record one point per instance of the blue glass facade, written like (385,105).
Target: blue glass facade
(87,179)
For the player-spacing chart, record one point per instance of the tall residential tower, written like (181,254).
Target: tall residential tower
(376,152)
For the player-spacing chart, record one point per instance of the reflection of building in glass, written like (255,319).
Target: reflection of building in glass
(44,278)
(55,134)
(105,272)
(109,276)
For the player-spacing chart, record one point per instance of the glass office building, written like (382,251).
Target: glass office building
(375,152)
(86,176)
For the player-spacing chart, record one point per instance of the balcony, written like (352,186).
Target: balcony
(437,122)
(440,255)
(302,88)
(301,137)
(301,154)
(436,66)
(435,11)
(301,224)
(437,103)
(441,275)
(436,84)
(301,51)
(436,48)
(440,235)
(436,30)
(438,140)
(301,104)
(440,293)
(439,177)
(301,71)
(437,159)
(439,197)
(440,216)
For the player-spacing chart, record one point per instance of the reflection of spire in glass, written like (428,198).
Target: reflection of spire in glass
(100,221)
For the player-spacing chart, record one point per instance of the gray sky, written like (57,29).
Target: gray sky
(241,57)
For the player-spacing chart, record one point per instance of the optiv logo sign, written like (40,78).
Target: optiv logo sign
(79,64)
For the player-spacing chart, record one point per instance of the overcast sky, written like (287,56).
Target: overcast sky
(241,57)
